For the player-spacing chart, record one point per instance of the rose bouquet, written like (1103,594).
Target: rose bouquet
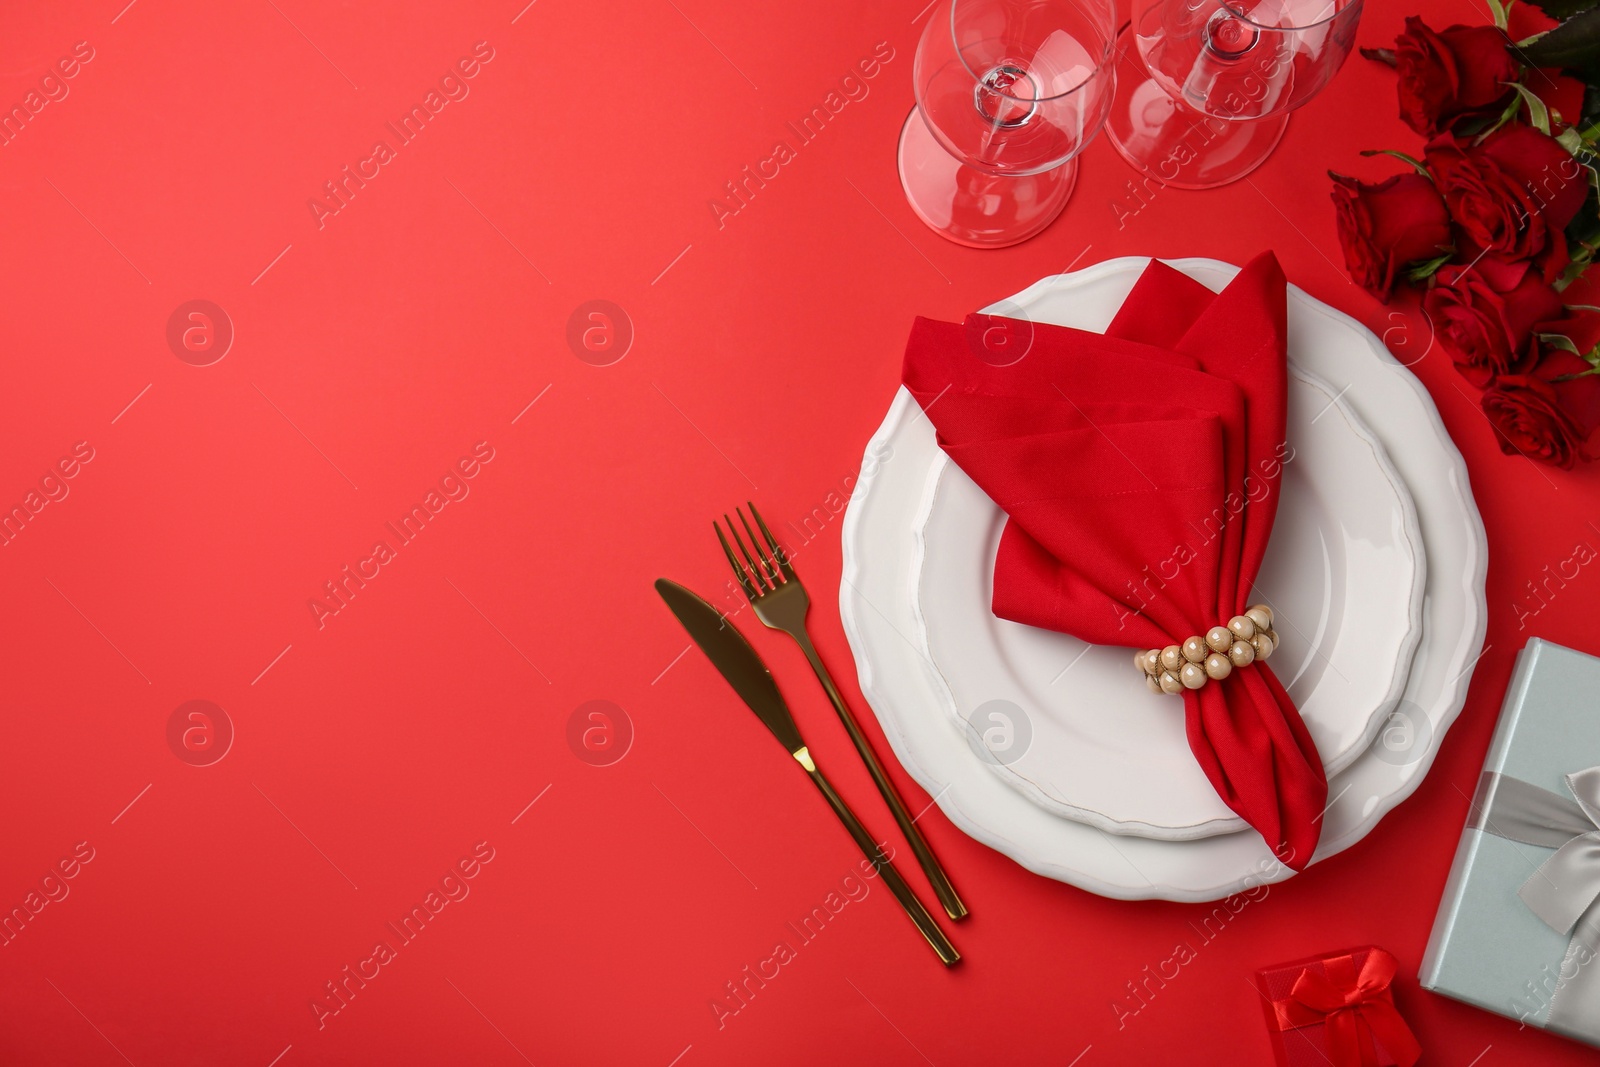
(1497,218)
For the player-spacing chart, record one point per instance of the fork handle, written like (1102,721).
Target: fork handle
(891,877)
(929,863)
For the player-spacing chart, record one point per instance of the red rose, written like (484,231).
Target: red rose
(1457,73)
(1547,420)
(1511,196)
(1387,225)
(1484,316)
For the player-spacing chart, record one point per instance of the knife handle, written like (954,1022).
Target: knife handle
(929,863)
(891,877)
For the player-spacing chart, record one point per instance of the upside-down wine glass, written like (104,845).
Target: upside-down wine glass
(1207,85)
(1008,93)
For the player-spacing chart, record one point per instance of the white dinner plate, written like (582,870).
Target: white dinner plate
(898,678)
(1072,725)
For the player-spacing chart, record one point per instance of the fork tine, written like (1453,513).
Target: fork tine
(777,549)
(733,561)
(760,578)
(769,568)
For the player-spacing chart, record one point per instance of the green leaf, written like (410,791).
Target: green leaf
(1591,104)
(1386,55)
(1581,307)
(1583,232)
(1560,9)
(1574,43)
(1513,106)
(1573,272)
(1499,11)
(1538,113)
(1559,340)
(1420,272)
(1415,163)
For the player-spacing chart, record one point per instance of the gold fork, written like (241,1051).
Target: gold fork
(781,603)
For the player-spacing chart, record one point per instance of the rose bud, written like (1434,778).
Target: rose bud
(1484,315)
(1460,72)
(1386,225)
(1549,413)
(1511,196)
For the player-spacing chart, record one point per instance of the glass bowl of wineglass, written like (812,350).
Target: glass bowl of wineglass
(1008,93)
(1207,85)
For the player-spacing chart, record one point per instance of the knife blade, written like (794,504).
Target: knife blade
(732,655)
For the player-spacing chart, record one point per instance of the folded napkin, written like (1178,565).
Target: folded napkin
(1140,472)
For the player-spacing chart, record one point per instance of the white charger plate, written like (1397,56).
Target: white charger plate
(899,681)
(1072,726)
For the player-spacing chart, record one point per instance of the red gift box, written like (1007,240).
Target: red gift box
(1336,1010)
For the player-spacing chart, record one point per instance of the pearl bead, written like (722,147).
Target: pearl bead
(1209,657)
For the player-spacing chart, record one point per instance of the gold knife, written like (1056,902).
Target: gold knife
(732,655)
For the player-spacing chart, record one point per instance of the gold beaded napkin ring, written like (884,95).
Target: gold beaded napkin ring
(1244,640)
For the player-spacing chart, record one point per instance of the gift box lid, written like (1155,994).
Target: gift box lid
(1488,948)
(1294,1044)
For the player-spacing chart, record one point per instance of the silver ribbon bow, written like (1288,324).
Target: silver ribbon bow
(1563,892)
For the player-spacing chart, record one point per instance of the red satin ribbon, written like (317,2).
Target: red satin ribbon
(1355,1006)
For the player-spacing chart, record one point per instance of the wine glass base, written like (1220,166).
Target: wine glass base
(973,208)
(1171,143)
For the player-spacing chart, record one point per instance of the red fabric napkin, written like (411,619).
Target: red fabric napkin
(1140,473)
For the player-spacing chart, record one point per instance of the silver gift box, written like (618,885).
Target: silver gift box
(1518,931)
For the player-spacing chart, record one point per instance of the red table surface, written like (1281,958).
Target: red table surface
(377,747)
